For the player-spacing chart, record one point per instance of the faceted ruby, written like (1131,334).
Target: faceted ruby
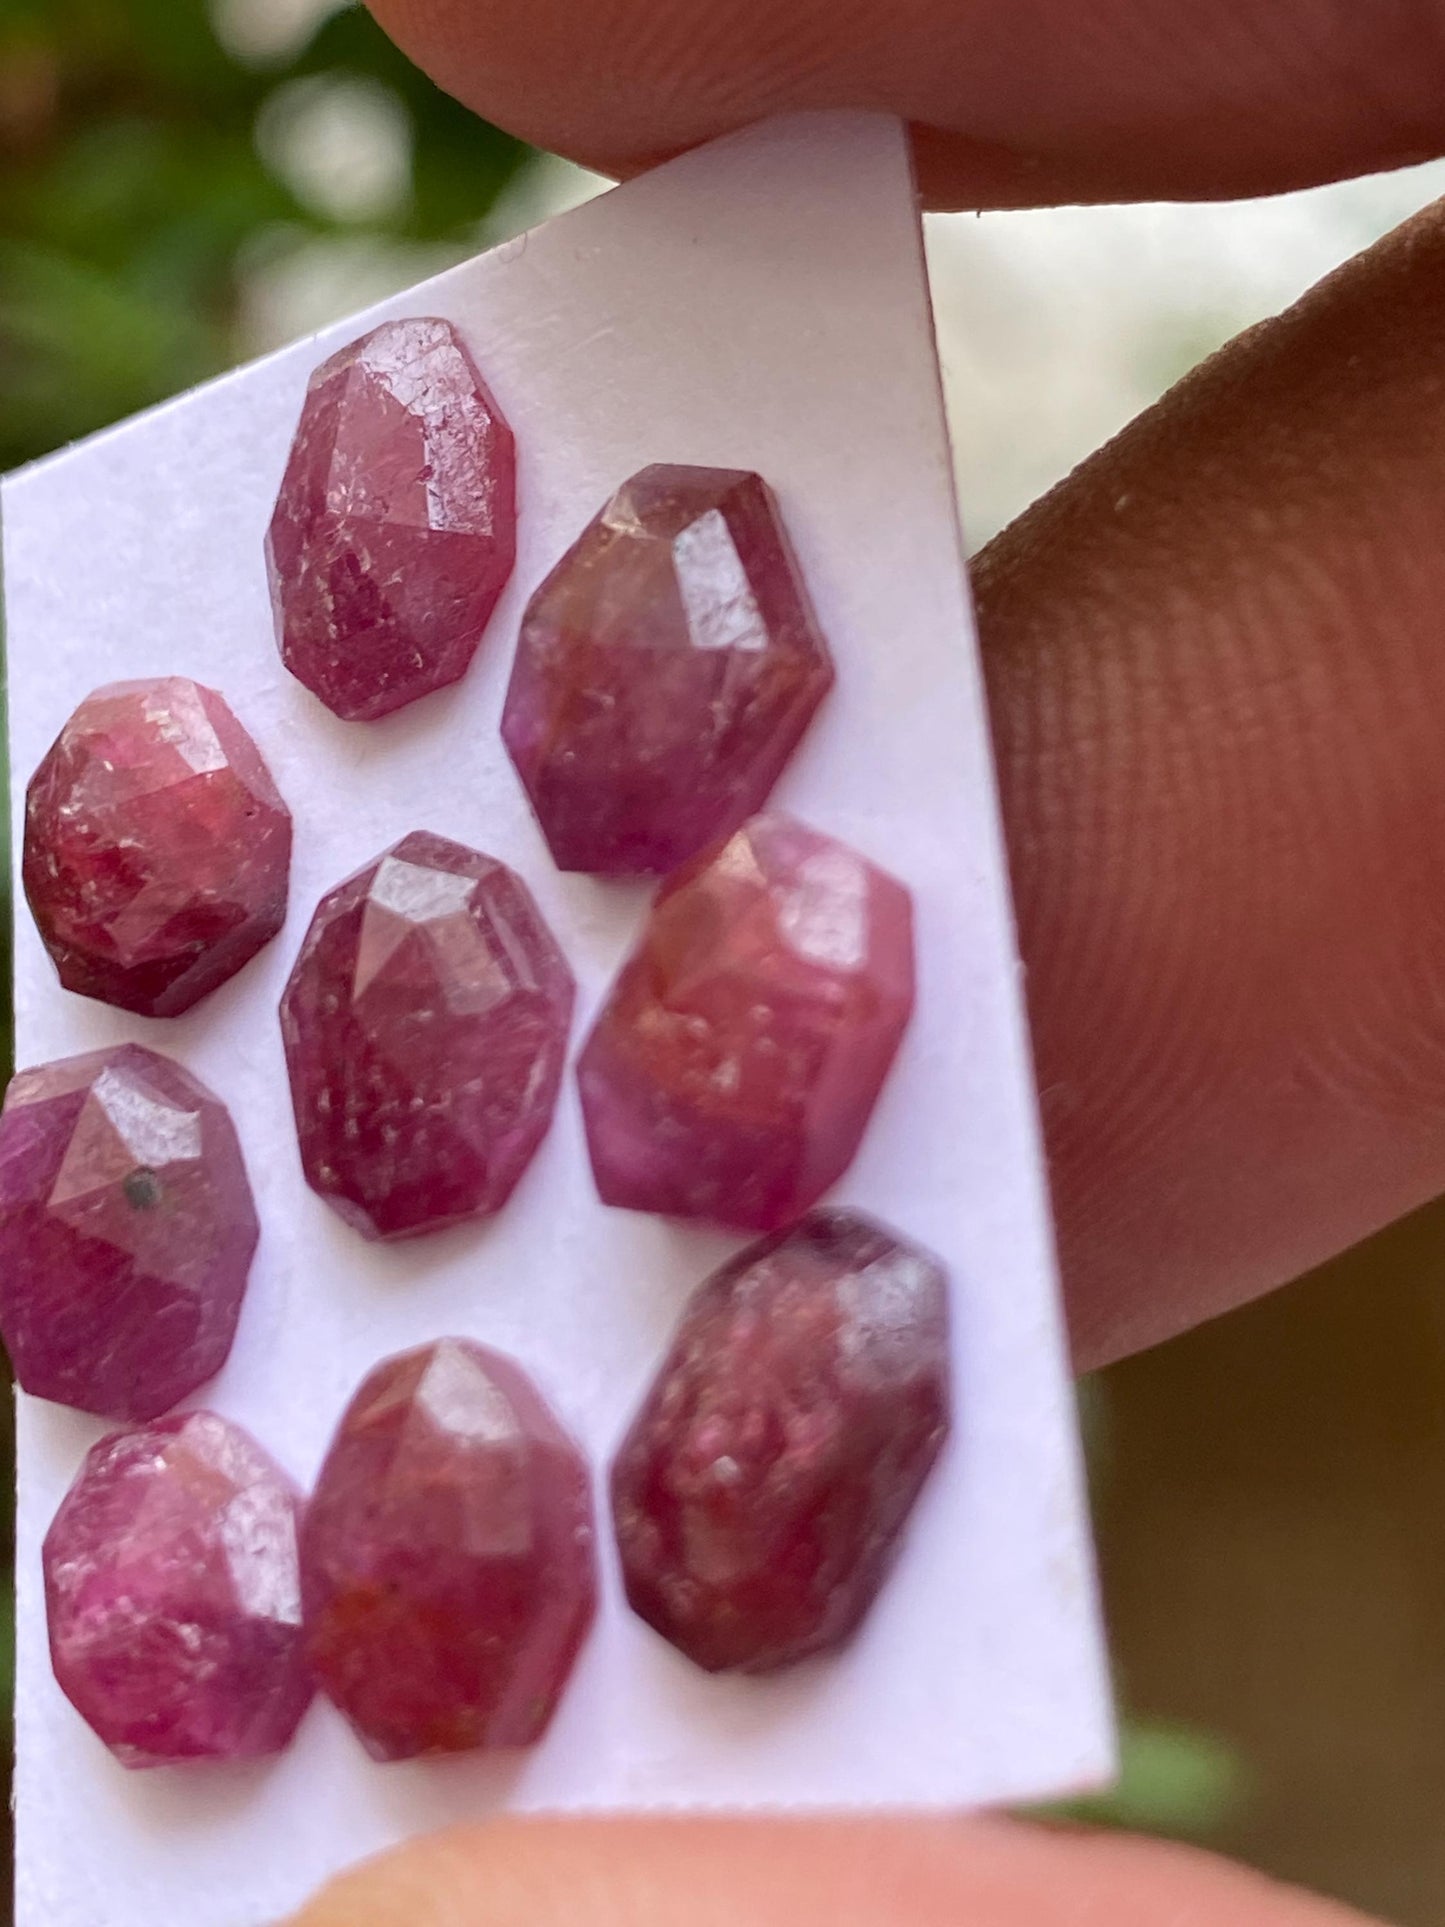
(447,1557)
(396,526)
(736,1061)
(126,1232)
(665,672)
(157,850)
(425,1026)
(760,1493)
(172,1583)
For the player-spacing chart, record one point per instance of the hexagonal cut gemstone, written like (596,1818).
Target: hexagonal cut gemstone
(665,671)
(448,1556)
(396,526)
(735,1064)
(425,1027)
(157,850)
(760,1493)
(127,1230)
(172,1584)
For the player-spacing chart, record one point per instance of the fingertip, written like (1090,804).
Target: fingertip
(882,1873)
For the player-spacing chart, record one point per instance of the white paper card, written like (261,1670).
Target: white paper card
(759,304)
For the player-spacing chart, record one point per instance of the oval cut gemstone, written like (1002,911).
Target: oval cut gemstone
(127,1231)
(425,1026)
(448,1556)
(173,1591)
(739,1055)
(665,671)
(157,850)
(759,1495)
(396,526)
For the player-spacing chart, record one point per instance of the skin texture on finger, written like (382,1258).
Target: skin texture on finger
(1016,102)
(804,1874)
(1216,659)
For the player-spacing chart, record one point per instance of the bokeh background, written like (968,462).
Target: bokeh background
(184,184)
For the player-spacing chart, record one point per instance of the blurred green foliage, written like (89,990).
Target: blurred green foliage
(133,191)
(1173,1780)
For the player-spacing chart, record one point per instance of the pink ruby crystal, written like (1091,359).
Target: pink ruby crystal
(759,1496)
(739,1055)
(448,1557)
(172,1584)
(425,1027)
(157,850)
(126,1232)
(665,671)
(396,526)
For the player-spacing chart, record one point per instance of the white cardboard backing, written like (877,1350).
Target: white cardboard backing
(761,303)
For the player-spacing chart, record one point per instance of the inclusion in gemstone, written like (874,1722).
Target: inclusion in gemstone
(126,1232)
(759,1496)
(447,1556)
(735,1064)
(665,671)
(157,851)
(396,526)
(425,1027)
(173,1589)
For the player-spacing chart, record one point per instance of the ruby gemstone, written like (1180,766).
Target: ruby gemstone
(425,1027)
(734,1066)
(396,526)
(448,1556)
(759,1496)
(665,671)
(172,1584)
(157,850)
(126,1232)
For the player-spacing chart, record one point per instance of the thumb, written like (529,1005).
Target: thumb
(874,1873)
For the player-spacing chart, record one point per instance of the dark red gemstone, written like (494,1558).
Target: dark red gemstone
(448,1556)
(126,1232)
(157,851)
(396,526)
(665,671)
(761,1491)
(425,1026)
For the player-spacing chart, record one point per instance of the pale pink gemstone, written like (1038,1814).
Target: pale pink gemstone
(172,1585)
(448,1556)
(425,1026)
(761,1491)
(127,1230)
(396,526)
(157,851)
(738,1058)
(665,671)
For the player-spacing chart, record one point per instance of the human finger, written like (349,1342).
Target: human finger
(1015,102)
(1217,677)
(804,1874)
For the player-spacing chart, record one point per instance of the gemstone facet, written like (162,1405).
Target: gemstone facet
(172,1584)
(396,526)
(739,1055)
(425,1027)
(665,671)
(157,850)
(448,1556)
(126,1232)
(759,1496)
